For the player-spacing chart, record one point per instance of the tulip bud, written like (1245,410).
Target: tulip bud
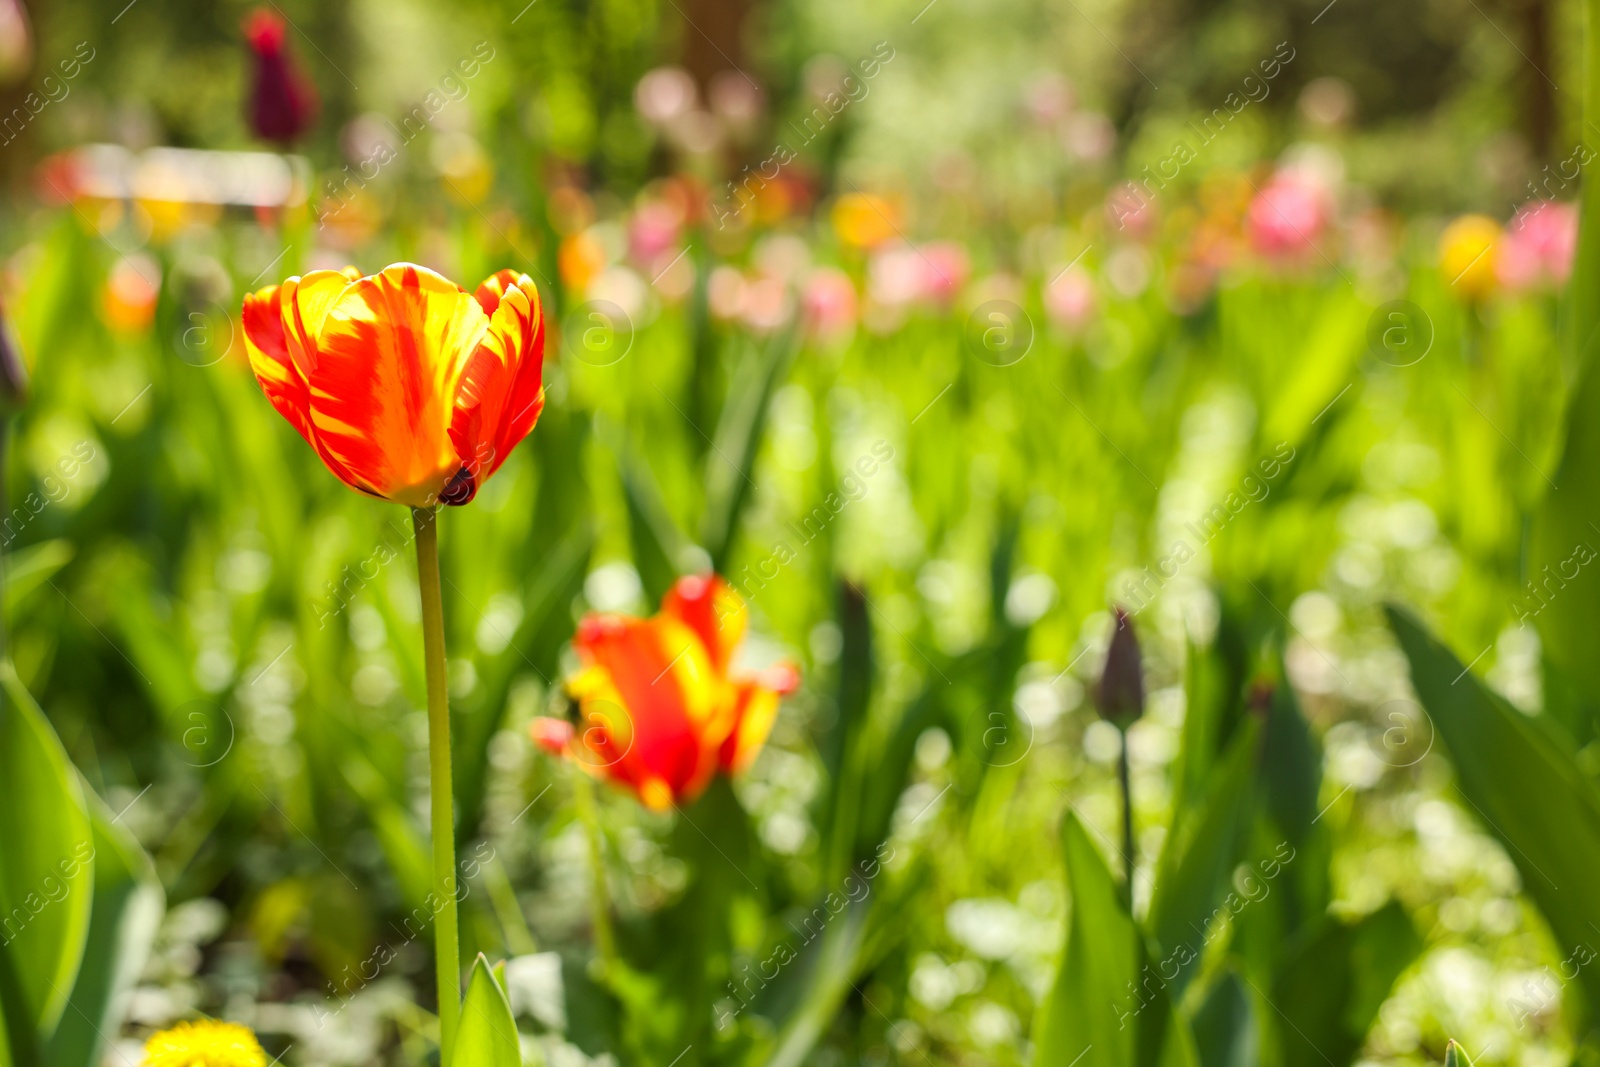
(1120,694)
(13,373)
(282,101)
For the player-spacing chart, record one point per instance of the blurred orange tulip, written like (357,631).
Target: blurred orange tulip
(409,387)
(864,220)
(660,708)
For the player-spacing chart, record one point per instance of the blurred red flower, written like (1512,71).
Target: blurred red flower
(283,102)
(661,708)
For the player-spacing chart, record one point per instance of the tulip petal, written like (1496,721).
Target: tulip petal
(389,357)
(305,305)
(268,348)
(755,710)
(501,392)
(710,607)
(281,349)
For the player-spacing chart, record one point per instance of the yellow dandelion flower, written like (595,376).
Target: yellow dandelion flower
(204,1044)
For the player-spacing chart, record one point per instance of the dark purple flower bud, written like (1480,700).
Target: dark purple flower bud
(1120,694)
(283,101)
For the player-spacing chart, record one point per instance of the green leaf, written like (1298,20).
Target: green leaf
(1192,875)
(1213,692)
(1501,760)
(1454,1056)
(1225,1027)
(1094,1010)
(128,904)
(536,644)
(657,542)
(488,1034)
(831,971)
(1086,1009)
(731,461)
(403,846)
(1567,517)
(1330,987)
(29,568)
(48,311)
(1291,762)
(1332,345)
(1565,536)
(46,878)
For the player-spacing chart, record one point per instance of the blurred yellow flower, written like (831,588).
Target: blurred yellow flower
(1467,255)
(204,1044)
(864,220)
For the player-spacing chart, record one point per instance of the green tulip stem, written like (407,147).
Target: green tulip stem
(447,947)
(5,507)
(1582,310)
(599,896)
(1127,819)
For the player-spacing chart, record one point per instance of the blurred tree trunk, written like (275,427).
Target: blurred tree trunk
(1540,102)
(713,40)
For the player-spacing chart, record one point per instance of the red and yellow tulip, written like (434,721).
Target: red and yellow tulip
(409,387)
(661,708)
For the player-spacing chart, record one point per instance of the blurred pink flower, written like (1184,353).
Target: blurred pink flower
(736,100)
(654,229)
(896,276)
(725,292)
(1089,136)
(1538,246)
(1048,99)
(765,305)
(828,302)
(664,94)
(902,274)
(1132,211)
(946,269)
(1288,216)
(1069,298)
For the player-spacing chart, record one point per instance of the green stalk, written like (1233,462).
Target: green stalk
(1583,312)
(446,939)
(599,896)
(5,506)
(1127,820)
(503,898)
